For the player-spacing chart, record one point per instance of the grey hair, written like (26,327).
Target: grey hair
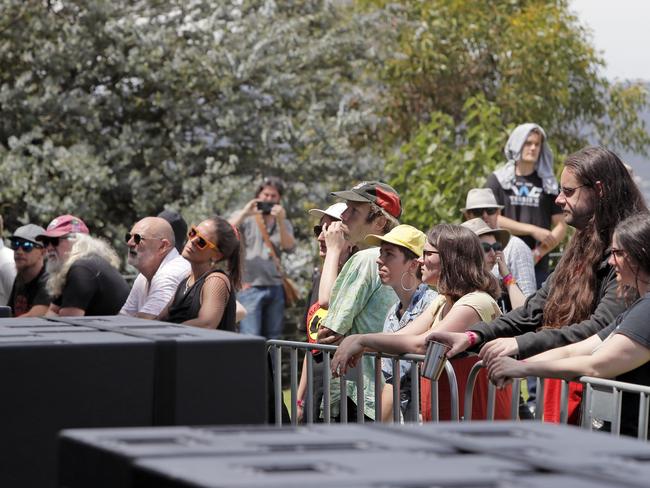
(83,247)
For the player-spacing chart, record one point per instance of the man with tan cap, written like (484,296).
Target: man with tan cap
(359,301)
(152,252)
(518,257)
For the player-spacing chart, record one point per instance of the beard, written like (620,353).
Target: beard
(53,264)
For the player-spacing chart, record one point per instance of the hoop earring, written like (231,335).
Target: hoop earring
(401,282)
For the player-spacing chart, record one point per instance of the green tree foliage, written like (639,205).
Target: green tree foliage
(467,70)
(114,109)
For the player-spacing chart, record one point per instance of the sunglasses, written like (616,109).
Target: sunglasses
(26,246)
(200,241)
(568,191)
(54,241)
(496,247)
(426,253)
(138,238)
(478,212)
(317,230)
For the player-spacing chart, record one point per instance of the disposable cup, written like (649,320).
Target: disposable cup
(435,359)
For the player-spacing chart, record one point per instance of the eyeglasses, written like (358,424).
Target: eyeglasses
(426,253)
(54,241)
(568,191)
(26,246)
(496,247)
(138,238)
(317,230)
(618,253)
(478,212)
(201,242)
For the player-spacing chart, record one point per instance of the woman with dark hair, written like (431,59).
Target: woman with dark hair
(452,262)
(579,299)
(622,350)
(206,298)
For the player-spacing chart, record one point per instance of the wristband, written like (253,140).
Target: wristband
(300,403)
(471,337)
(509,280)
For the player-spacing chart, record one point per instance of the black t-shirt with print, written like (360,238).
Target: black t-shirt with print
(26,295)
(632,323)
(526,202)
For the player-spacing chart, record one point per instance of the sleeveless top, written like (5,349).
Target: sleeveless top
(187,303)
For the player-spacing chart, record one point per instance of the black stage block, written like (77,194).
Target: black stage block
(57,379)
(116,371)
(202,376)
(105,457)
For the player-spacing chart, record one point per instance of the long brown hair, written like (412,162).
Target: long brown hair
(462,267)
(230,246)
(573,289)
(633,235)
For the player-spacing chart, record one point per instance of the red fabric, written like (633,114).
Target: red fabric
(388,201)
(462,368)
(552,396)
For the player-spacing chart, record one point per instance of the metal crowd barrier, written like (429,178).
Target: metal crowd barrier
(413,415)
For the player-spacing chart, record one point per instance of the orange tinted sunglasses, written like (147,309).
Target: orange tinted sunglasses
(200,241)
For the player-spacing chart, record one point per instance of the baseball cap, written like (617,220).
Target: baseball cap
(374,192)
(479,227)
(28,232)
(63,225)
(480,198)
(335,211)
(403,235)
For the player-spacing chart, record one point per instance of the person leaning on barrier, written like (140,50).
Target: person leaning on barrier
(206,297)
(620,351)
(400,252)
(579,299)
(359,302)
(83,271)
(517,256)
(29,296)
(323,281)
(453,262)
(161,268)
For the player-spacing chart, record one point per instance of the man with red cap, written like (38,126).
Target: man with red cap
(84,277)
(359,302)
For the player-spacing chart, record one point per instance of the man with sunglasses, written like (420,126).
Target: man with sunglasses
(84,282)
(29,296)
(526,188)
(152,251)
(517,256)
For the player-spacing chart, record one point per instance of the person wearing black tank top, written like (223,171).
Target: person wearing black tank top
(206,297)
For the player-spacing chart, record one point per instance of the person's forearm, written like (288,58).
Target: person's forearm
(328,277)
(393,343)
(287,241)
(515,227)
(237,218)
(569,368)
(302,386)
(517,298)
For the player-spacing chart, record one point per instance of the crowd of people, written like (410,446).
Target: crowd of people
(481,285)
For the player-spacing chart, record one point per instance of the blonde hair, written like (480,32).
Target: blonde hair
(83,247)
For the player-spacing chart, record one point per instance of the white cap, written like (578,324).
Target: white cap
(335,211)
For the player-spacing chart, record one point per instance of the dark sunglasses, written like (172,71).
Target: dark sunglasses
(200,241)
(568,191)
(54,241)
(317,230)
(26,246)
(496,247)
(138,238)
(478,212)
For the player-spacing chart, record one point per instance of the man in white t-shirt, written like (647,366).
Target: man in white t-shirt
(151,251)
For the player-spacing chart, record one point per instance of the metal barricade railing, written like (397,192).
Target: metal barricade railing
(603,400)
(413,415)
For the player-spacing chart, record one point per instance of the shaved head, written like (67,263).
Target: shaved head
(156,227)
(150,240)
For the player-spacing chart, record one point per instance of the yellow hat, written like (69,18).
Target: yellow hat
(403,235)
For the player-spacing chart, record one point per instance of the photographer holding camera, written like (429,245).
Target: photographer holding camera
(265,233)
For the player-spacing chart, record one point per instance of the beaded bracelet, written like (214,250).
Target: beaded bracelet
(471,337)
(509,280)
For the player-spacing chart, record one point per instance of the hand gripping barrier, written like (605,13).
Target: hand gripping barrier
(413,415)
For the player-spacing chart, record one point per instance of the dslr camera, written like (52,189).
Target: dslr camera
(265,207)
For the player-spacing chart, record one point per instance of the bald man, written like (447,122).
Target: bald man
(152,252)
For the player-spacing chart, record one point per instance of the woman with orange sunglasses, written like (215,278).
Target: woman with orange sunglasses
(206,298)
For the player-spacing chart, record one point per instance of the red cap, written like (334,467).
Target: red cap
(64,225)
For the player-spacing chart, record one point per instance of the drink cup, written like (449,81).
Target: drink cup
(435,359)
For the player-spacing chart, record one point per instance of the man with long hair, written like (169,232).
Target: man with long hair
(579,298)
